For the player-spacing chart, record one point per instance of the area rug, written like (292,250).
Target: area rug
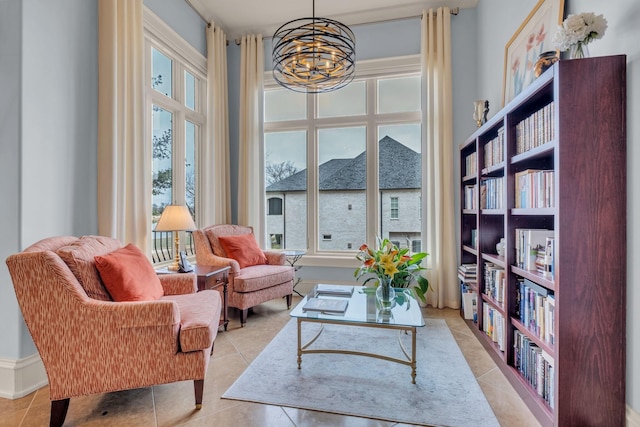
(445,394)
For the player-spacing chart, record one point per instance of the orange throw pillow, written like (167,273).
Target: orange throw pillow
(244,249)
(128,275)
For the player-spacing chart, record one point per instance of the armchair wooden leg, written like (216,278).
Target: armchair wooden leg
(198,388)
(58,412)
(289,301)
(243,317)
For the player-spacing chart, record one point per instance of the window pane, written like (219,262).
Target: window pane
(283,104)
(189,90)
(394,208)
(286,179)
(399,95)
(351,100)
(190,166)
(162,125)
(342,178)
(400,176)
(161,73)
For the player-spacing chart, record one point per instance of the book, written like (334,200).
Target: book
(528,242)
(325,305)
(333,290)
(468,304)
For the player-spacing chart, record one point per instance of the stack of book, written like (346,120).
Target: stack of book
(332,290)
(467,273)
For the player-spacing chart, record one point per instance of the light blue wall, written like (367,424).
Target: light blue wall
(10,67)
(48,112)
(183,20)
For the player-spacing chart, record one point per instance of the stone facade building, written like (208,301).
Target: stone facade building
(342,202)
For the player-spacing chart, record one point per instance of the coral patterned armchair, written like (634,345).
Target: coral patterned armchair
(256,276)
(161,331)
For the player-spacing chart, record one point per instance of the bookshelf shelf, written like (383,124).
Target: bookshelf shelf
(552,146)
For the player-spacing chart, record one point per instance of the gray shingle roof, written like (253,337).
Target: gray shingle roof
(399,169)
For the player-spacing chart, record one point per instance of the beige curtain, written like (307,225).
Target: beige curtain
(250,163)
(437,181)
(124,170)
(214,175)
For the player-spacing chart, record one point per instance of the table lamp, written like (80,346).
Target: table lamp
(175,218)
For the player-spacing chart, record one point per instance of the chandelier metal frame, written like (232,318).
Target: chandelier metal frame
(313,55)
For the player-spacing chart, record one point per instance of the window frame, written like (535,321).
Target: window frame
(185,58)
(367,70)
(395,209)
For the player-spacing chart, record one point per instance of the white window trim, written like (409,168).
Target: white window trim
(162,37)
(384,67)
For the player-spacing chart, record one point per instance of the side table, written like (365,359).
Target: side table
(293,256)
(212,278)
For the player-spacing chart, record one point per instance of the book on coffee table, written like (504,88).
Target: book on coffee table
(326,305)
(334,290)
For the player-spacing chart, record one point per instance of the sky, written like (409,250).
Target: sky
(395,95)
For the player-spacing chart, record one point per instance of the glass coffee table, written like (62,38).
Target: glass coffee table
(362,310)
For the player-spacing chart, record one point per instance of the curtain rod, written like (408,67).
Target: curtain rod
(196,11)
(454,11)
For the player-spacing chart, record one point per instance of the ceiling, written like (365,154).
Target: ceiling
(238,17)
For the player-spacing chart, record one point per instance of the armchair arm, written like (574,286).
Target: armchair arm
(275,257)
(218,261)
(179,283)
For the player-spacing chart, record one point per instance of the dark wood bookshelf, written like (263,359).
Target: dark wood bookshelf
(587,152)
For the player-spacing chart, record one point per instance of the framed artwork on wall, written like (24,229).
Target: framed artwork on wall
(532,38)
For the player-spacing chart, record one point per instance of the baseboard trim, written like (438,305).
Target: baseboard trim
(633,418)
(21,377)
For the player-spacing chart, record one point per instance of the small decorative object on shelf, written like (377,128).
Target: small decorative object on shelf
(577,31)
(545,60)
(480,110)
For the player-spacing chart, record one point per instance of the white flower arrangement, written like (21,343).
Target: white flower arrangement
(579,29)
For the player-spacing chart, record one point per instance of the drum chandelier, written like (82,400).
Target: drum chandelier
(313,55)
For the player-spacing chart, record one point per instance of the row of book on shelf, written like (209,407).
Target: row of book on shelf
(470,162)
(493,325)
(535,365)
(494,150)
(535,130)
(535,308)
(491,191)
(534,189)
(494,282)
(535,250)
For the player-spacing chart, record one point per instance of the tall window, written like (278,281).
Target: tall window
(175,99)
(357,147)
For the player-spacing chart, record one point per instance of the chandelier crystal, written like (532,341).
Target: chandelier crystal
(313,55)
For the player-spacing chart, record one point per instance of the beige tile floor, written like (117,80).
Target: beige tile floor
(172,404)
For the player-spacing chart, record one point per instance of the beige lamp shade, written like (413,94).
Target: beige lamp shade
(175,218)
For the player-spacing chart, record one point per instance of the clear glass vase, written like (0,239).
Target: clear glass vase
(579,50)
(385,294)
